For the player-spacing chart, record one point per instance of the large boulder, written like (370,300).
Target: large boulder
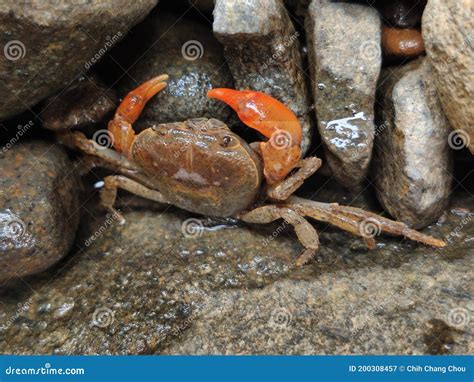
(448,27)
(46,44)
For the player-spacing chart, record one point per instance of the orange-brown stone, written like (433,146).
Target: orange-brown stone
(398,42)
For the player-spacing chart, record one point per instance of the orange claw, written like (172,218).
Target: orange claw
(120,127)
(282,152)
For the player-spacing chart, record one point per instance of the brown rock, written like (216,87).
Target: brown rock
(448,27)
(402,42)
(84,103)
(263,52)
(345,60)
(48,43)
(39,208)
(413,162)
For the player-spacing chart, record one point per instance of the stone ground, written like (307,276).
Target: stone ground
(145,288)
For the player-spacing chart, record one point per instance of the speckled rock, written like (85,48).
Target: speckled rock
(448,27)
(48,43)
(39,208)
(401,13)
(85,102)
(414,162)
(262,49)
(345,59)
(402,43)
(147,288)
(187,51)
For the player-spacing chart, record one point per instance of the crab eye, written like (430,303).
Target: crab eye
(228,141)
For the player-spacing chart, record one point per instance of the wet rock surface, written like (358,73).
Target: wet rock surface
(83,104)
(146,288)
(187,51)
(49,43)
(402,42)
(413,166)
(345,59)
(447,29)
(402,13)
(39,208)
(263,52)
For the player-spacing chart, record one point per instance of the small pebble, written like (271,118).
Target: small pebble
(402,42)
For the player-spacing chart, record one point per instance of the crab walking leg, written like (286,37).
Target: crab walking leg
(305,232)
(120,127)
(77,140)
(283,190)
(108,194)
(355,220)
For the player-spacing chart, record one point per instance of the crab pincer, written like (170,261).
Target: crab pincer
(282,152)
(120,127)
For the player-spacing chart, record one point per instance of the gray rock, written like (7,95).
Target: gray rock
(39,208)
(84,103)
(146,288)
(414,163)
(447,29)
(345,59)
(263,52)
(187,51)
(48,43)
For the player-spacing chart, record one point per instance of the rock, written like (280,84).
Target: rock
(48,43)
(146,288)
(39,211)
(345,59)
(188,52)
(84,103)
(447,29)
(402,42)
(414,163)
(263,52)
(402,13)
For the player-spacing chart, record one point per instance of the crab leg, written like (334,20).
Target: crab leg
(357,221)
(120,127)
(282,152)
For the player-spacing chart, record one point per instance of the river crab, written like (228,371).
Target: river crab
(201,166)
